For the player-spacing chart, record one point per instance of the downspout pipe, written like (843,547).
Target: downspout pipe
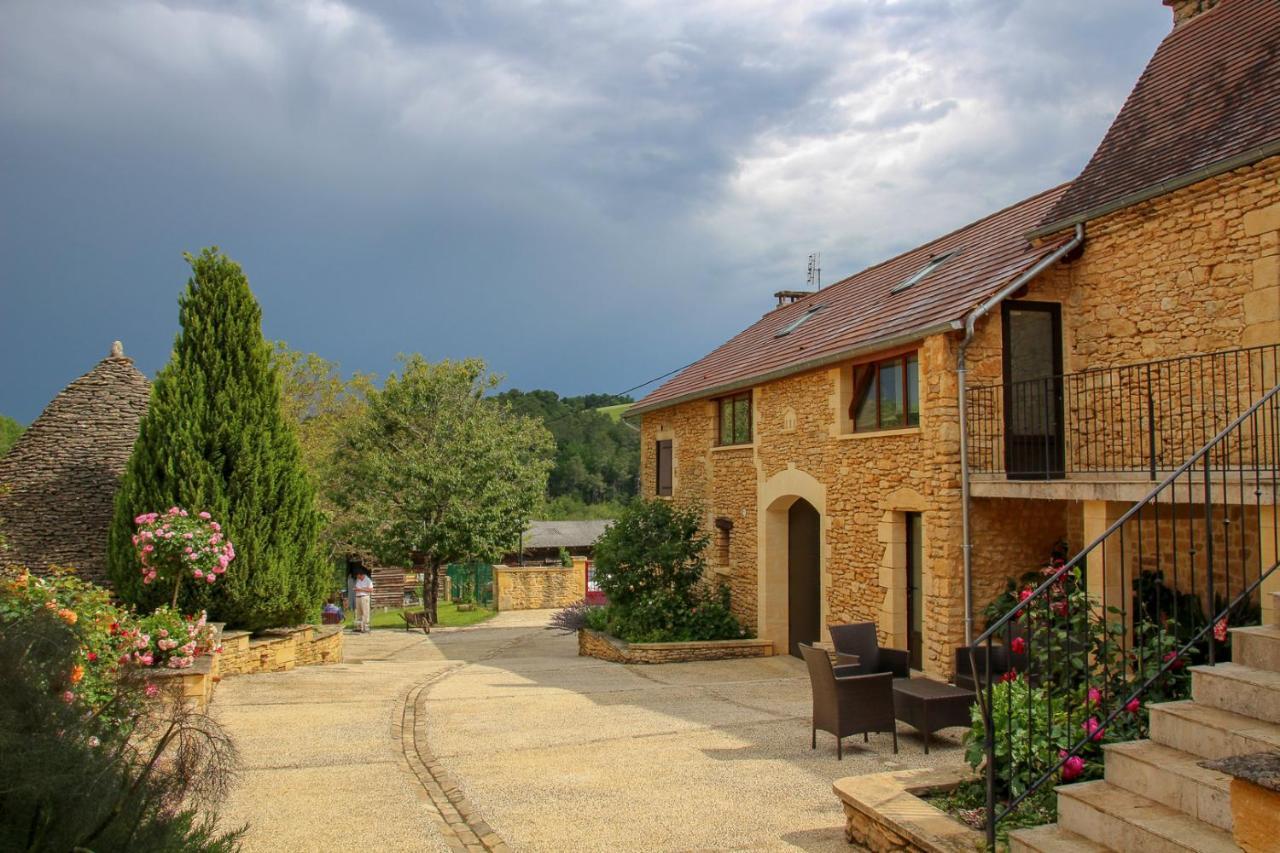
(970,323)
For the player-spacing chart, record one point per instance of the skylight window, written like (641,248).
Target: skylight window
(798,322)
(919,275)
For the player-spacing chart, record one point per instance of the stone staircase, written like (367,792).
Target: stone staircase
(1155,796)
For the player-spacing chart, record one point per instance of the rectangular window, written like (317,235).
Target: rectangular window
(886,394)
(664,468)
(735,419)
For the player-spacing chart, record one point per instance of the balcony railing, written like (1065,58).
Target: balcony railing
(1139,419)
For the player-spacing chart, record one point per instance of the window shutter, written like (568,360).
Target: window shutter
(664,467)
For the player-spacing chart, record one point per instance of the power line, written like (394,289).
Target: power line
(623,393)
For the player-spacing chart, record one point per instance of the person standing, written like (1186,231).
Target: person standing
(364,591)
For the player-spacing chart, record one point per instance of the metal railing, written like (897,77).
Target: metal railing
(1141,418)
(1118,624)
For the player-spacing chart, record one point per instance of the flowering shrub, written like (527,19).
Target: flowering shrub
(89,678)
(1081,669)
(166,639)
(88,762)
(175,543)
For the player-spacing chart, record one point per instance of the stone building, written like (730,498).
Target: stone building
(58,483)
(896,446)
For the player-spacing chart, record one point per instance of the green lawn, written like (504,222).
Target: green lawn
(614,412)
(449,617)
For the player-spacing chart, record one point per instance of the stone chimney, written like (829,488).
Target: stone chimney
(1185,10)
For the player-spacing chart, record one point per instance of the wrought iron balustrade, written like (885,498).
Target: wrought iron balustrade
(1141,418)
(1119,623)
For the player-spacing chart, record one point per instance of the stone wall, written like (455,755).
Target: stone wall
(280,649)
(1195,271)
(539,587)
(861,485)
(597,645)
(1191,272)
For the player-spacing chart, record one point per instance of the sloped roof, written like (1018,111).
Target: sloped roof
(1210,96)
(564,534)
(862,314)
(62,474)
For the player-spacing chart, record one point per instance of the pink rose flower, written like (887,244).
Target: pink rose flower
(1093,729)
(1072,768)
(1095,696)
(151,690)
(68,697)
(1133,705)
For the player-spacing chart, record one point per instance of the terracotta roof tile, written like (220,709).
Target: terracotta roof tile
(1210,93)
(862,313)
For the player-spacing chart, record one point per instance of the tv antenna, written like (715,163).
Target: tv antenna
(814,280)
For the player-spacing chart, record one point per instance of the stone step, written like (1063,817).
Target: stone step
(1051,838)
(1172,778)
(1123,820)
(1211,732)
(1238,688)
(1257,646)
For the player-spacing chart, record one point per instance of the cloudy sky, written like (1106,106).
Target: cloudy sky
(585,193)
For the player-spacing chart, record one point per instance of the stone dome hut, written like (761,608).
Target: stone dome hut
(58,482)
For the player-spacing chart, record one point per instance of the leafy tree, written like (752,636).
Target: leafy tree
(215,439)
(321,406)
(10,430)
(437,467)
(651,565)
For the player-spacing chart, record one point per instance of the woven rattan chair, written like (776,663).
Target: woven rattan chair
(848,704)
(859,638)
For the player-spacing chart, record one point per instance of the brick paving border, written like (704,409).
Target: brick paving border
(457,819)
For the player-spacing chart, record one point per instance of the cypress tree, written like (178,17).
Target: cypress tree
(215,439)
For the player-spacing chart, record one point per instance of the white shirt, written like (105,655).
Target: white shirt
(364,585)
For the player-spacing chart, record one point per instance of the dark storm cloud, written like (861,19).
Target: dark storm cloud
(587,194)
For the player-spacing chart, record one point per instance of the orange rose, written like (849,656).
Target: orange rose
(77,673)
(68,616)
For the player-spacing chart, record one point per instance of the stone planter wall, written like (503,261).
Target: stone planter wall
(885,814)
(597,645)
(280,649)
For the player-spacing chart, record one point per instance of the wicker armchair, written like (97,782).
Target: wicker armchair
(1003,660)
(859,638)
(848,704)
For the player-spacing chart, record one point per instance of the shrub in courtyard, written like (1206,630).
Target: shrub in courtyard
(650,564)
(1077,691)
(214,437)
(94,755)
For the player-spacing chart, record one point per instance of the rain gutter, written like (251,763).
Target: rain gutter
(969,324)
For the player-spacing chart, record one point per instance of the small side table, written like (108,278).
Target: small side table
(930,705)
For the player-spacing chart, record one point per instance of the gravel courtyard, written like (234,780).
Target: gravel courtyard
(539,749)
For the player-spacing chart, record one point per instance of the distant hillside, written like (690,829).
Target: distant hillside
(614,412)
(597,456)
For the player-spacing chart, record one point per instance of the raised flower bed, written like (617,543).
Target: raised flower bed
(599,645)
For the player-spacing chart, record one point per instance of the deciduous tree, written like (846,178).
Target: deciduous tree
(436,466)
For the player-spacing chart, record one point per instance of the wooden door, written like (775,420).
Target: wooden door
(1033,418)
(804,587)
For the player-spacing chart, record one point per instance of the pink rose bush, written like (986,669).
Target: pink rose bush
(175,543)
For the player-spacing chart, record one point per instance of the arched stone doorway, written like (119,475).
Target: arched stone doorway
(792,496)
(804,575)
